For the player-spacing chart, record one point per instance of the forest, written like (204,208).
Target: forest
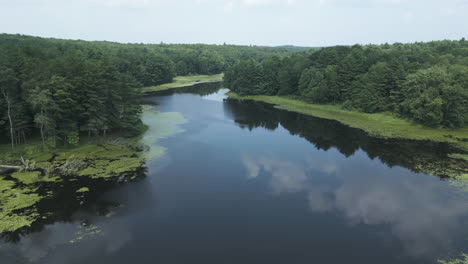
(426,83)
(63,89)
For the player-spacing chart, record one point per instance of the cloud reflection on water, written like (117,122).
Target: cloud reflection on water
(423,213)
(54,244)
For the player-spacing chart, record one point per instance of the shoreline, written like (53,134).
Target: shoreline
(29,194)
(378,124)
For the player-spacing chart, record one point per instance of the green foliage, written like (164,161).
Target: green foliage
(73,138)
(60,89)
(57,88)
(463,259)
(434,97)
(424,82)
(318,85)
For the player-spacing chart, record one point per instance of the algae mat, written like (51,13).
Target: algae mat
(161,125)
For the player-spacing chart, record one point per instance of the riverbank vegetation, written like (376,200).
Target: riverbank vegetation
(48,179)
(62,90)
(27,194)
(386,125)
(425,83)
(185,81)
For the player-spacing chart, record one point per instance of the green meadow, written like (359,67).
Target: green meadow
(185,81)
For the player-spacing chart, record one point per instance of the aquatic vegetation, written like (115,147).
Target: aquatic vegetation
(116,160)
(83,190)
(124,165)
(161,125)
(463,259)
(455,169)
(10,223)
(27,177)
(459,156)
(185,81)
(109,169)
(20,196)
(17,206)
(86,231)
(460,182)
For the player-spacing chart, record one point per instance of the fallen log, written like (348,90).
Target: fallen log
(10,167)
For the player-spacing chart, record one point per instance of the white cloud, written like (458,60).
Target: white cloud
(257,2)
(229,7)
(268,2)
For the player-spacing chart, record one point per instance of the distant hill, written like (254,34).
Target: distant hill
(297,48)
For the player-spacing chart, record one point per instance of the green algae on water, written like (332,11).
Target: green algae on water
(83,190)
(462,259)
(160,125)
(17,206)
(27,177)
(19,191)
(459,156)
(86,231)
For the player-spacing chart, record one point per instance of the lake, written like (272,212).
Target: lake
(243,182)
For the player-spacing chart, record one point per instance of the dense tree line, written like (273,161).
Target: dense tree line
(62,89)
(425,82)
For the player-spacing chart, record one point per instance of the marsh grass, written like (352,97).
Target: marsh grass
(383,125)
(185,81)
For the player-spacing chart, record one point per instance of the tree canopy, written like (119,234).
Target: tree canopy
(62,89)
(425,82)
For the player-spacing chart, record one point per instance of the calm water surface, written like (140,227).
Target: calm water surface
(246,183)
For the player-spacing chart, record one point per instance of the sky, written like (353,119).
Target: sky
(246,22)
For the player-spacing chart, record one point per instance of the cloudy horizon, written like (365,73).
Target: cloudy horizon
(243,22)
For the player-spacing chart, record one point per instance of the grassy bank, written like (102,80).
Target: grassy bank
(184,81)
(380,124)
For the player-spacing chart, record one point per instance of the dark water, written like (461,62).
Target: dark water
(246,183)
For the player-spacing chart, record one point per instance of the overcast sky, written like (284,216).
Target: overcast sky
(257,22)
